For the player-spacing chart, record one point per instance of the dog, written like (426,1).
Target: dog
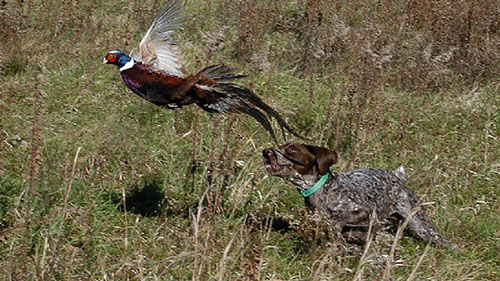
(348,200)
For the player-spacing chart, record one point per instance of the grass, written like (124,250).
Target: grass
(371,88)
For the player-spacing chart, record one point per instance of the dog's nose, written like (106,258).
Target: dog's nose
(267,152)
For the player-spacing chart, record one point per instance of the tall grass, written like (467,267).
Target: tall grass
(384,83)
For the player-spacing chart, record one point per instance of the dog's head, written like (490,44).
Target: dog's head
(298,163)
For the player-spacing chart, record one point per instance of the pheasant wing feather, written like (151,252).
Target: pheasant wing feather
(157,49)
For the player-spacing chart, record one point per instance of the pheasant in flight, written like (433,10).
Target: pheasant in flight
(156,74)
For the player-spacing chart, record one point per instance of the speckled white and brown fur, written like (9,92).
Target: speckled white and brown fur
(347,200)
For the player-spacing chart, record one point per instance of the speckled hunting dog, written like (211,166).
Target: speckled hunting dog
(348,200)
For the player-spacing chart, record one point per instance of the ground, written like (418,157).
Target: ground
(97,184)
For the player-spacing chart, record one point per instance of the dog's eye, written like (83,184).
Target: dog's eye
(292,150)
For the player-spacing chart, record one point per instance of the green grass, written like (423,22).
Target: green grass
(445,132)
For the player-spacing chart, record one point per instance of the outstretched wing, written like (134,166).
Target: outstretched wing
(157,48)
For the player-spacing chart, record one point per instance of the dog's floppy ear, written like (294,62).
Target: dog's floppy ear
(324,157)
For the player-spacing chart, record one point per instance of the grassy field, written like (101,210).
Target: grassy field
(97,184)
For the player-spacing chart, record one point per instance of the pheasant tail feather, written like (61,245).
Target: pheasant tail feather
(235,98)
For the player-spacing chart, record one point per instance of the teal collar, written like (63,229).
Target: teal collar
(310,191)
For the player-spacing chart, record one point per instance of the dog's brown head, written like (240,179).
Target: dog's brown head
(298,163)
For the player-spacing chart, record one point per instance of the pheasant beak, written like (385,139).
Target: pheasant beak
(104,61)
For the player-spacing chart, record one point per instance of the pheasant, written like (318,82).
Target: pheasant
(156,74)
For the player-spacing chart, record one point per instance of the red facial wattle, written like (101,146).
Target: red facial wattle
(111,58)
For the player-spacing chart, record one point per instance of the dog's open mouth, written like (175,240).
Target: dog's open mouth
(270,162)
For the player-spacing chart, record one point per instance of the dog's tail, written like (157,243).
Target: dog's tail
(400,173)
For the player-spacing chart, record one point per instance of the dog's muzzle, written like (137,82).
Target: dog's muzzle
(270,161)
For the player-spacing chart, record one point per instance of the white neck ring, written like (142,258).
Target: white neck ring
(128,65)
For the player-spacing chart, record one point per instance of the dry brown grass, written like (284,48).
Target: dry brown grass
(384,83)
